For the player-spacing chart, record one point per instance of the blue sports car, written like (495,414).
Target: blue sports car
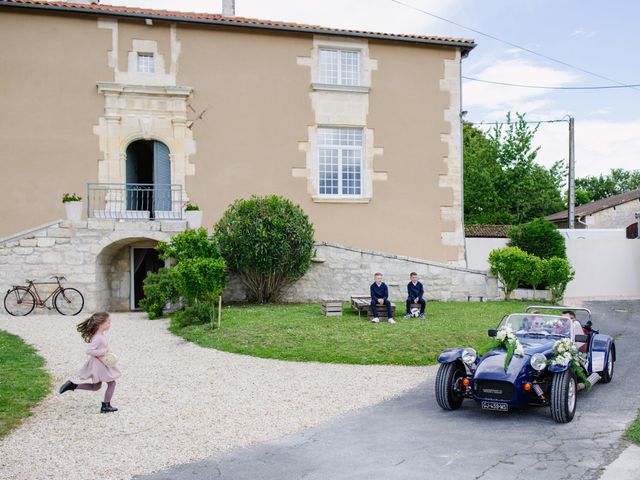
(539,359)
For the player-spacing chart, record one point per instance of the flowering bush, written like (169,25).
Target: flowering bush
(564,353)
(506,337)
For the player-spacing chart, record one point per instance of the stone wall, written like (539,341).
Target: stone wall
(619,216)
(92,255)
(338,272)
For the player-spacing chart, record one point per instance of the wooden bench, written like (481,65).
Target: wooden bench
(331,308)
(382,311)
(360,303)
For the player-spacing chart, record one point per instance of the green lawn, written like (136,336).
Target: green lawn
(633,432)
(301,333)
(23,381)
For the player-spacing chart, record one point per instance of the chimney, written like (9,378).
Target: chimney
(228,8)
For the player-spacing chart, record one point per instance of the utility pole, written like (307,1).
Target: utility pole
(572,177)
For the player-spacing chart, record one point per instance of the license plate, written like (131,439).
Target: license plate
(500,407)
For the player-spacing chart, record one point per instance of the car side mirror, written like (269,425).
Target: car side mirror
(581,338)
(492,332)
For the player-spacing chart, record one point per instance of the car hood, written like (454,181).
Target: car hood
(491,365)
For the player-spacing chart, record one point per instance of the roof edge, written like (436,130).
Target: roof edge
(157,15)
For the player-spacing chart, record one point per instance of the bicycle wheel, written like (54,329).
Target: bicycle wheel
(68,301)
(19,301)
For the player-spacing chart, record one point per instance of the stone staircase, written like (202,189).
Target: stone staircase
(93,255)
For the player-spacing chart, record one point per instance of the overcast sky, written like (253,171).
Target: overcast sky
(600,37)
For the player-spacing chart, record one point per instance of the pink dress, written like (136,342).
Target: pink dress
(94,370)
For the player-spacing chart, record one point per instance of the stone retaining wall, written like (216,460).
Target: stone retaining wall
(92,255)
(339,272)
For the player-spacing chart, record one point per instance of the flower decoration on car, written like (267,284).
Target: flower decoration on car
(564,352)
(506,337)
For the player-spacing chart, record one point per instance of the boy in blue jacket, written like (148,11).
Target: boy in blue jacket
(379,296)
(415,292)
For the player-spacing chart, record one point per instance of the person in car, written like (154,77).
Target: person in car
(562,326)
(577,329)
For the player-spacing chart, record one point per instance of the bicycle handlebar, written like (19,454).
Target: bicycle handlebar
(58,277)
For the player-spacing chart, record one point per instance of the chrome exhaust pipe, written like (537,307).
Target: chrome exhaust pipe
(593,379)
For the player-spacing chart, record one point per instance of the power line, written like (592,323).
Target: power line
(528,122)
(599,87)
(511,44)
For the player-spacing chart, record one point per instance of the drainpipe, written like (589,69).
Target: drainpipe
(228,8)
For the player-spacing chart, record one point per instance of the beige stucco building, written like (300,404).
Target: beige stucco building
(140,111)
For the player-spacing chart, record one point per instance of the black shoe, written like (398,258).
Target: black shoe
(107,408)
(66,386)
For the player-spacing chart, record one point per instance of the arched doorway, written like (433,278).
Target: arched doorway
(148,179)
(121,267)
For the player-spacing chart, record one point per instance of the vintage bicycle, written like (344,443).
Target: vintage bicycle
(21,300)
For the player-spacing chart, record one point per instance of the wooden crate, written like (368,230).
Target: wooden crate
(331,308)
(382,311)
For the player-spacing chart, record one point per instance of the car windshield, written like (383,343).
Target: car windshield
(537,324)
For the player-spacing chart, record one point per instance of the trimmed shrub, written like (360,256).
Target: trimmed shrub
(189,244)
(536,274)
(159,288)
(558,274)
(511,266)
(198,278)
(268,241)
(538,237)
(196,314)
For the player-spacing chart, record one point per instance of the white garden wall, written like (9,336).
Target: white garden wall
(607,264)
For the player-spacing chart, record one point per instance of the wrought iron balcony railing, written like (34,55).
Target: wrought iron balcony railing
(134,201)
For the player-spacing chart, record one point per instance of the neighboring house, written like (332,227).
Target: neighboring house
(618,211)
(140,111)
(480,240)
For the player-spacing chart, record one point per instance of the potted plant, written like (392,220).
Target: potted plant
(193,215)
(72,206)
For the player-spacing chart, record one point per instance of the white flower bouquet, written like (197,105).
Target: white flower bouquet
(566,353)
(506,337)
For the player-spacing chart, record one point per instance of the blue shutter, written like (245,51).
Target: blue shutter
(132,177)
(161,177)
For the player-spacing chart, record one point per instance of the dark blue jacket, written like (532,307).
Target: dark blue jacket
(379,291)
(415,291)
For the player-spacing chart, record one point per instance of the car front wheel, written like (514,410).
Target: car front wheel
(448,394)
(564,390)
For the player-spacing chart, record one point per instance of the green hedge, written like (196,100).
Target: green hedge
(514,267)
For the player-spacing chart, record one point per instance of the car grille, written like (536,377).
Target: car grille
(494,390)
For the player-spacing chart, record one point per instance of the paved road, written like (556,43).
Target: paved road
(412,438)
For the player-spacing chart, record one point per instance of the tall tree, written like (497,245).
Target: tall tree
(502,182)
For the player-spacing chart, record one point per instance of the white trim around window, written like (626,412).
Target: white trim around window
(340,162)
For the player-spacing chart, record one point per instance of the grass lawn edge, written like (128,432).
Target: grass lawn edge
(299,332)
(633,431)
(25,382)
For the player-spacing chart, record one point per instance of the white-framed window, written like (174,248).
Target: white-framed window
(146,63)
(340,161)
(339,67)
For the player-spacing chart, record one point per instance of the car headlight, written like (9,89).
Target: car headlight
(469,356)
(538,361)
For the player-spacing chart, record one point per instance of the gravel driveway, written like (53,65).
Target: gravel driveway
(178,402)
